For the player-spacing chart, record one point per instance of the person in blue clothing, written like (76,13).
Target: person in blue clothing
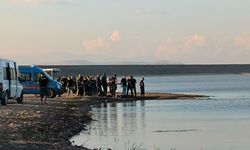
(43,85)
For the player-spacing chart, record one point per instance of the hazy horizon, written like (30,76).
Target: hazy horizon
(87,63)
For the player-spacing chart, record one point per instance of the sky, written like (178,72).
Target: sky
(108,31)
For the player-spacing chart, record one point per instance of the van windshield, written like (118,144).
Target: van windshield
(54,73)
(48,76)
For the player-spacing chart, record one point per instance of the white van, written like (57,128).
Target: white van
(10,86)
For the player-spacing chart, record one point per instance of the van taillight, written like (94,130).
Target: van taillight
(1,87)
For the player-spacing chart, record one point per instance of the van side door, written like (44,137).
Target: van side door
(29,86)
(13,79)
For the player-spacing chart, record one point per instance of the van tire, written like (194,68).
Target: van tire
(51,93)
(5,99)
(20,99)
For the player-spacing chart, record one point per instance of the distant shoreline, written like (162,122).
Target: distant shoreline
(151,70)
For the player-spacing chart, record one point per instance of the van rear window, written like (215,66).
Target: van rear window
(9,73)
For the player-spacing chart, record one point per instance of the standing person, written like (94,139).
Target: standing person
(124,85)
(114,85)
(86,85)
(74,85)
(64,83)
(43,84)
(142,87)
(129,86)
(92,85)
(80,85)
(133,82)
(77,83)
(70,86)
(110,85)
(99,85)
(104,84)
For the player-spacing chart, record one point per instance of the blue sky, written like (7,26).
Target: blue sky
(102,31)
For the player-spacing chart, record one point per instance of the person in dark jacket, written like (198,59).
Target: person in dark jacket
(114,85)
(142,87)
(80,85)
(99,85)
(43,85)
(133,82)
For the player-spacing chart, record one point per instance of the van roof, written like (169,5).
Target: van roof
(2,59)
(29,68)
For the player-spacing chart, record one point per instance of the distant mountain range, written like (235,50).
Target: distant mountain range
(85,62)
(144,70)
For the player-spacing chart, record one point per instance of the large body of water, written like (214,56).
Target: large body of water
(220,122)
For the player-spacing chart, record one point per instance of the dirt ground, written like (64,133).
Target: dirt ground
(32,125)
(37,126)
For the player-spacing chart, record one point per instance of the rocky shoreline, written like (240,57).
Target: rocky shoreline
(32,125)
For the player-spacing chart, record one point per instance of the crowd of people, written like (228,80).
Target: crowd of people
(100,85)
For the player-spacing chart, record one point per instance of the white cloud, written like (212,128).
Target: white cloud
(242,41)
(199,49)
(100,44)
(115,36)
(92,45)
(195,40)
(175,49)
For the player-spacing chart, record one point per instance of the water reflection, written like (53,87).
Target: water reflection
(120,118)
(221,122)
(115,123)
(163,124)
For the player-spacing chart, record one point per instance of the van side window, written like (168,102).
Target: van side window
(13,74)
(6,73)
(25,77)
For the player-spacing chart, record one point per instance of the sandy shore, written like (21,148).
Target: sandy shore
(32,125)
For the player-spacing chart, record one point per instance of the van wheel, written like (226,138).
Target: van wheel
(4,100)
(51,93)
(20,99)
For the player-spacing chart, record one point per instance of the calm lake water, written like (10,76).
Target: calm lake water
(220,122)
